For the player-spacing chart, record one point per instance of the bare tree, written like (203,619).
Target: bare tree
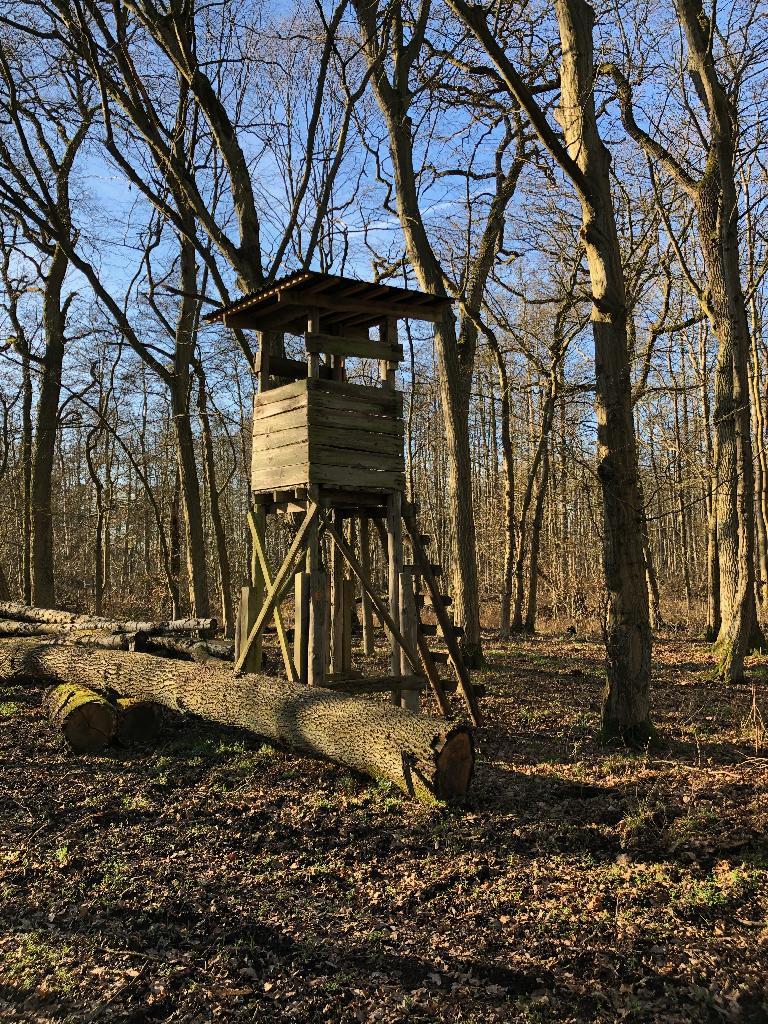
(585,161)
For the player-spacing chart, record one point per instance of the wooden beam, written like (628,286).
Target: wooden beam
(282,574)
(378,604)
(301,625)
(362,307)
(409,624)
(290,667)
(335,345)
(379,684)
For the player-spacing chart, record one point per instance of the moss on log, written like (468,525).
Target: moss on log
(84,718)
(423,756)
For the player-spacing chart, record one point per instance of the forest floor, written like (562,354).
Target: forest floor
(214,878)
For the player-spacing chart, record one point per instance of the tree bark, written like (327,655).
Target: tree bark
(586,161)
(715,200)
(422,756)
(138,721)
(44,448)
(626,704)
(533,556)
(508,477)
(219,533)
(26,613)
(186,334)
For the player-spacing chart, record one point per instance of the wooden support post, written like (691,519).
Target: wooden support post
(252,597)
(317,653)
(317,641)
(409,627)
(313,358)
(337,600)
(388,336)
(365,608)
(301,626)
(348,594)
(395,555)
(251,600)
(277,587)
(260,554)
(386,620)
(264,357)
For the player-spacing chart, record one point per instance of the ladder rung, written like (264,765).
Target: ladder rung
(423,601)
(437,570)
(428,628)
(439,657)
(451,686)
(424,538)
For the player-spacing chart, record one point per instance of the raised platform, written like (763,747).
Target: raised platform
(329,433)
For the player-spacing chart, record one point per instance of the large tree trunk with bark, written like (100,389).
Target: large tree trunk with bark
(43,593)
(626,705)
(424,757)
(186,335)
(209,461)
(717,209)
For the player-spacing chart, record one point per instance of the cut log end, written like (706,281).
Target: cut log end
(138,721)
(455,763)
(85,719)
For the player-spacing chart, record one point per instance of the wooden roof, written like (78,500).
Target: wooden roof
(342,302)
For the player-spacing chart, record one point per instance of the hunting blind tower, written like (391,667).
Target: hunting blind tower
(329,454)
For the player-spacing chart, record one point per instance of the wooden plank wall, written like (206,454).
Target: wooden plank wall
(328,432)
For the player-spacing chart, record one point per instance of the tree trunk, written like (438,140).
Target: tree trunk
(138,721)
(25,613)
(424,757)
(626,704)
(508,477)
(174,544)
(44,449)
(225,573)
(533,555)
(185,444)
(26,466)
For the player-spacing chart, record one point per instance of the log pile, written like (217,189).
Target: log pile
(176,638)
(69,621)
(425,757)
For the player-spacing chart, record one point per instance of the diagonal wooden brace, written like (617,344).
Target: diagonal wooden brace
(273,594)
(386,618)
(258,548)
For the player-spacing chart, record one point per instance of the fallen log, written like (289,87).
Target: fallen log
(68,633)
(423,756)
(85,719)
(201,651)
(28,613)
(138,721)
(105,640)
